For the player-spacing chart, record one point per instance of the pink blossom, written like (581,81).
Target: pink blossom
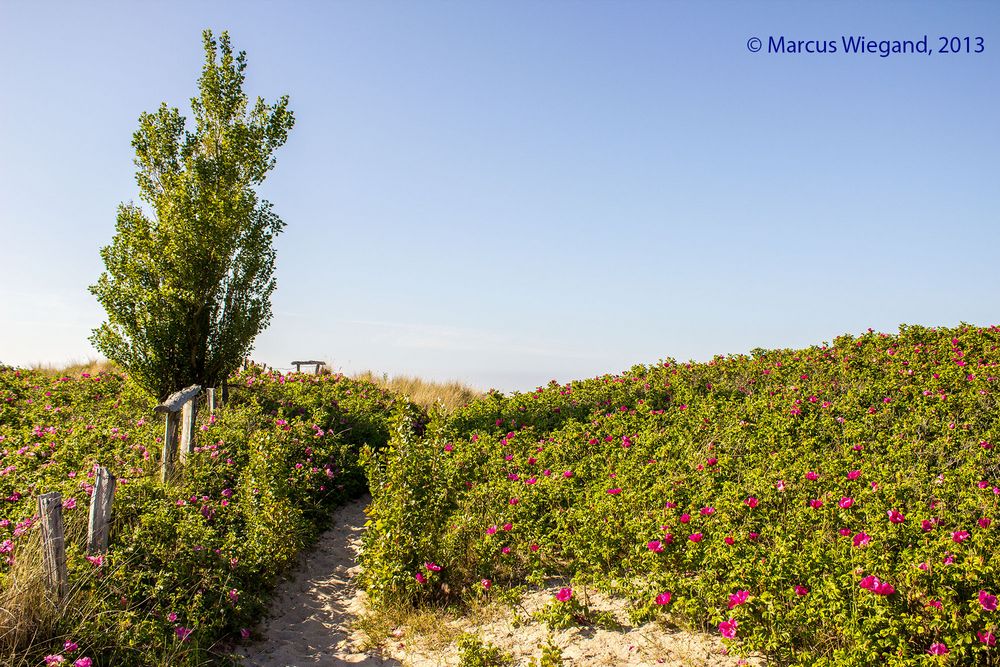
(70,646)
(987,601)
(815,503)
(875,585)
(845,532)
(244,633)
(508,526)
(780,486)
(421,579)
(695,537)
(801,591)
(960,536)
(491,530)
(728,539)
(486,583)
(69,503)
(846,502)
(685,518)
(927,525)
(183,633)
(54,659)
(751,502)
(172,617)
(896,516)
(728,628)
(934,603)
(812,476)
(738,598)
(985,522)
(614,492)
(937,648)
(853,474)
(707,511)
(567,474)
(83,662)
(564,594)
(663,598)
(862,539)
(655,546)
(987,638)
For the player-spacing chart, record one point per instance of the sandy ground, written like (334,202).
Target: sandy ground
(312,614)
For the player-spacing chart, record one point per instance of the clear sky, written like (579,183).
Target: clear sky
(509,192)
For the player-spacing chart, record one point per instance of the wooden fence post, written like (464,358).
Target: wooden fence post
(169,447)
(171,407)
(53,542)
(188,415)
(100,511)
(211,400)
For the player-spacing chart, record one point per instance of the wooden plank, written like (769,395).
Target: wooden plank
(169,446)
(188,424)
(176,401)
(53,542)
(100,511)
(211,400)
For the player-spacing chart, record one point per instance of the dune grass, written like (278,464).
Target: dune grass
(425,393)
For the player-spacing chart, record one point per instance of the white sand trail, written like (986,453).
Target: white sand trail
(312,613)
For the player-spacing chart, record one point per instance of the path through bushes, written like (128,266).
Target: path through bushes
(312,614)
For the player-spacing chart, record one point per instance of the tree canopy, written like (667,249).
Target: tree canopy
(190,272)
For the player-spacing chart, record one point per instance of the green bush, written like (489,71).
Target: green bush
(190,566)
(829,506)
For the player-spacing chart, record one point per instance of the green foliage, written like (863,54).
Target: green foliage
(759,474)
(201,555)
(551,655)
(474,652)
(187,288)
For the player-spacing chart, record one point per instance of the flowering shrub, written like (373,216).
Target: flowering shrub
(827,506)
(189,566)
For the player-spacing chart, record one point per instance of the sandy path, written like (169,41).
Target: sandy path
(311,613)
(311,616)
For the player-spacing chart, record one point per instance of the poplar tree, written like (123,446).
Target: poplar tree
(190,272)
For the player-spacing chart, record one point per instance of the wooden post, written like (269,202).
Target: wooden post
(100,511)
(211,400)
(169,447)
(171,407)
(53,542)
(188,414)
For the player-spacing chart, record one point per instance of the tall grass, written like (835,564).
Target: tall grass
(75,368)
(425,393)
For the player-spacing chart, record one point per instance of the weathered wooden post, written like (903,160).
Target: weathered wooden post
(171,407)
(100,511)
(53,542)
(188,415)
(211,400)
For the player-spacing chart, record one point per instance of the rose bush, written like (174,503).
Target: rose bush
(190,566)
(829,506)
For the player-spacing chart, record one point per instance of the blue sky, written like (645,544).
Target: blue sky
(505,193)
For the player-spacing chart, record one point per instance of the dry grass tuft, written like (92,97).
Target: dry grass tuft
(433,627)
(425,393)
(29,613)
(91,366)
